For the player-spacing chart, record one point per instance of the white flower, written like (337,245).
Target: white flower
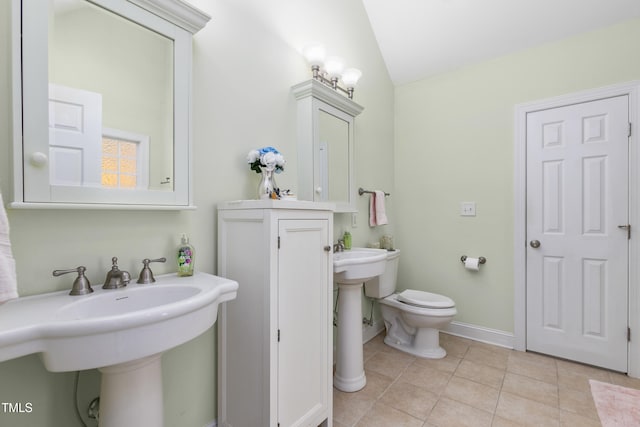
(268,159)
(279,160)
(253,156)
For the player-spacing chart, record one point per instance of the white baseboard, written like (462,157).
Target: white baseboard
(213,423)
(480,333)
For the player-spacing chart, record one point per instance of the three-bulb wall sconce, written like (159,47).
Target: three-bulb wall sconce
(330,70)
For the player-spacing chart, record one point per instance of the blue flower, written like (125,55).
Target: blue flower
(265,150)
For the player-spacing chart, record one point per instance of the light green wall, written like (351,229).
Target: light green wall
(454,143)
(245,62)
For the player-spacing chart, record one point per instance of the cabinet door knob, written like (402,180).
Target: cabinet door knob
(327,248)
(318,190)
(38,159)
(535,244)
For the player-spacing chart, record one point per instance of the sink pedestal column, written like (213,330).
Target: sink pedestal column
(349,374)
(131,394)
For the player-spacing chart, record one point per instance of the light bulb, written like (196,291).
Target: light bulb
(350,77)
(314,54)
(334,66)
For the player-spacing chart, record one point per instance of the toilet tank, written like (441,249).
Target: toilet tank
(385,284)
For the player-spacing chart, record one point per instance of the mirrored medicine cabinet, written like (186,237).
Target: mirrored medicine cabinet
(101,102)
(325,134)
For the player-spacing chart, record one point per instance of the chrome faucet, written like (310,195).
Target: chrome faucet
(116,278)
(81,285)
(339,247)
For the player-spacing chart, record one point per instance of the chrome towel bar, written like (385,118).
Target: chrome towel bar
(362,191)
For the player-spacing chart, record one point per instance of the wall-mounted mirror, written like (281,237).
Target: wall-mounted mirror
(105,89)
(325,133)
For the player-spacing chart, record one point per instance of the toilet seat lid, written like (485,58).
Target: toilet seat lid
(425,299)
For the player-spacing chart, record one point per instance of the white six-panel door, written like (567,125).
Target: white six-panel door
(75,136)
(577,207)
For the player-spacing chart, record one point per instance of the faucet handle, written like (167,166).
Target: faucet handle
(81,285)
(146,275)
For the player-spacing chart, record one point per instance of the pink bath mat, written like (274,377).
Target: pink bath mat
(617,406)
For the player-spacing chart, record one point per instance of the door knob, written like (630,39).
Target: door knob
(534,244)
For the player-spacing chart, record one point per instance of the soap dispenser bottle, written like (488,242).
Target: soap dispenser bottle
(186,255)
(347,240)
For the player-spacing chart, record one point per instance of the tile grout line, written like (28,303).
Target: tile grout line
(495,409)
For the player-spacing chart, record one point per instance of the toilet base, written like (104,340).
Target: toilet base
(414,334)
(433,353)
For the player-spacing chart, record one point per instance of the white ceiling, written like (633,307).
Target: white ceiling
(420,38)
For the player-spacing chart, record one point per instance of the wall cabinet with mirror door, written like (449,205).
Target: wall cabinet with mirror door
(325,132)
(102,103)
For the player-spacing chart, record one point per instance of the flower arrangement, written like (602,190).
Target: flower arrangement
(267,157)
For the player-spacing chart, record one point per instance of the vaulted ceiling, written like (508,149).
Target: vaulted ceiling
(420,38)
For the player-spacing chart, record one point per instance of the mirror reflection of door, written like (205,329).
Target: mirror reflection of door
(333,157)
(75,126)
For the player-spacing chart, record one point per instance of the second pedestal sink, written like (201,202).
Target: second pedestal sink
(357,265)
(123,332)
(351,268)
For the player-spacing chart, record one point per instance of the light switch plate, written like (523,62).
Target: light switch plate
(467,208)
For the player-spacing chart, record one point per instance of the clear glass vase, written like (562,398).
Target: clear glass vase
(267,186)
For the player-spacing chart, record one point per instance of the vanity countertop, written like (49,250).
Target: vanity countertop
(276,204)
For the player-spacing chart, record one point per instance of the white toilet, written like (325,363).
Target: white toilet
(412,318)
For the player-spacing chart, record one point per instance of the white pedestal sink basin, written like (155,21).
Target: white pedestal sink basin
(351,269)
(121,331)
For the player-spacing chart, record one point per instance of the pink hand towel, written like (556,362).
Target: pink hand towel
(377,211)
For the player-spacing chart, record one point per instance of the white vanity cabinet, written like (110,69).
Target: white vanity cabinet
(275,339)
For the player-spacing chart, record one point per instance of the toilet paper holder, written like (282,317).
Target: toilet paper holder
(481,260)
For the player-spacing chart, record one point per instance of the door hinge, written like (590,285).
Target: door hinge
(629,129)
(278,242)
(278,335)
(628,334)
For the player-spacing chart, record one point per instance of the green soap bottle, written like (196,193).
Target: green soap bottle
(186,255)
(347,240)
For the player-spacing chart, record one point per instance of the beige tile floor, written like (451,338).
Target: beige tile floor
(476,384)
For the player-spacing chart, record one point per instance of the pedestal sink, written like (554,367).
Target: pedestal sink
(351,269)
(123,332)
